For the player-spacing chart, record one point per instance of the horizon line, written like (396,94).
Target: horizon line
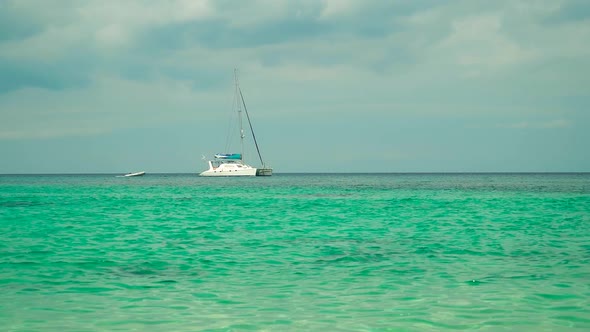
(322,173)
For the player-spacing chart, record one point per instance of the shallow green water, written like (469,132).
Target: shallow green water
(295,253)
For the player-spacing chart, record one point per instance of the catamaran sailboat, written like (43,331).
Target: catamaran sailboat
(232,164)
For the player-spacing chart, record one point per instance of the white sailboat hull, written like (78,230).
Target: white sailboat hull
(250,172)
(229,169)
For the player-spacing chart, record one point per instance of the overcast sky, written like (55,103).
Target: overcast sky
(91,86)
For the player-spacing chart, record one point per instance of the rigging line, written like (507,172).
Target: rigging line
(239,111)
(231,125)
(251,129)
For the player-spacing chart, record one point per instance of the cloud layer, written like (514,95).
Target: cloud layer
(92,69)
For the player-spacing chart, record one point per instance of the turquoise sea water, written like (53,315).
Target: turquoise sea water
(388,252)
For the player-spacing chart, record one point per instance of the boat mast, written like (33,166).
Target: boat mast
(238,96)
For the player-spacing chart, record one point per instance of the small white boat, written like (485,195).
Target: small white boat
(134,174)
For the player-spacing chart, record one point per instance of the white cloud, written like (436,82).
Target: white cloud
(479,45)
(87,25)
(551,124)
(137,14)
(335,8)
(51,44)
(113,35)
